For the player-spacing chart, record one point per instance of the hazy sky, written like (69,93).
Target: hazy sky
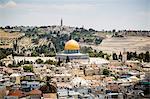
(97,14)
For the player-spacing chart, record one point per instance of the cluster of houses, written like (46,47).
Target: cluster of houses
(75,80)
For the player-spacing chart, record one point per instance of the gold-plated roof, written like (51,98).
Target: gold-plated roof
(72,45)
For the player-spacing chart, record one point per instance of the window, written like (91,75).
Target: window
(62,79)
(57,79)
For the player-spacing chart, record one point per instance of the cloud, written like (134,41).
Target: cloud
(57,8)
(9,4)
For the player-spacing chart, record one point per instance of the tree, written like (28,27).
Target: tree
(102,56)
(98,41)
(5,52)
(120,56)
(34,53)
(35,41)
(147,57)
(141,56)
(91,30)
(2,55)
(106,72)
(10,65)
(59,62)
(67,59)
(27,62)
(113,30)
(51,54)
(39,61)
(86,49)
(115,56)
(107,57)
(28,68)
(1,63)
(128,56)
(51,62)
(135,54)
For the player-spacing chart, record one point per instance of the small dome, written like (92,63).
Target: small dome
(72,45)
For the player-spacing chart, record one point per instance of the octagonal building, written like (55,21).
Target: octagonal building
(71,50)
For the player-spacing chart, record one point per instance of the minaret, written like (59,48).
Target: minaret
(61,22)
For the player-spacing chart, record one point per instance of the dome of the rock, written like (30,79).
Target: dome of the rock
(72,45)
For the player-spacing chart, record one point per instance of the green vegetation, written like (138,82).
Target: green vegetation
(94,53)
(28,68)
(54,38)
(1,64)
(51,62)
(44,49)
(106,72)
(115,57)
(98,41)
(5,52)
(34,53)
(14,65)
(67,59)
(59,42)
(87,36)
(145,57)
(39,61)
(141,56)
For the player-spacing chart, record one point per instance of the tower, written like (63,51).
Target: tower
(124,58)
(61,22)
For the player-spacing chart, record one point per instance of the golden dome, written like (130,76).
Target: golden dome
(72,45)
